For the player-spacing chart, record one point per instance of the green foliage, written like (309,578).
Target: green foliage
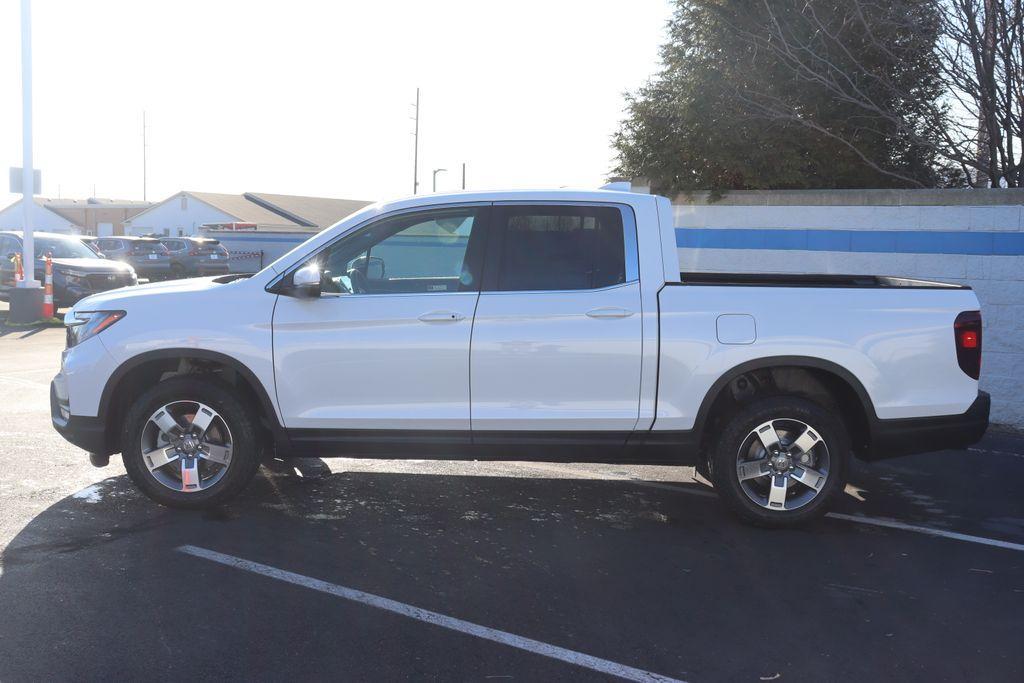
(755,94)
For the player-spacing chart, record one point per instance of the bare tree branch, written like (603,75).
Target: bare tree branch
(980,56)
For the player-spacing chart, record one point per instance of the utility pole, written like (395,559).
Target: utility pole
(143,155)
(416,146)
(463,175)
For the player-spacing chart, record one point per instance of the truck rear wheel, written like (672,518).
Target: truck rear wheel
(188,442)
(780,460)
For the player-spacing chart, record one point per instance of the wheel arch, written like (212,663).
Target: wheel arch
(152,365)
(837,381)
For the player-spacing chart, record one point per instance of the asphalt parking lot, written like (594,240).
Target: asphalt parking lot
(384,570)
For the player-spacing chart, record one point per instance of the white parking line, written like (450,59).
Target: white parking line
(529,645)
(991,452)
(856,519)
(928,531)
(889,524)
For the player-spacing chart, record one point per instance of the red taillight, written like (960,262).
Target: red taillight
(194,252)
(967,335)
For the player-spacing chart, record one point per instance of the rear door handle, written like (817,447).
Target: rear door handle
(442,317)
(609,312)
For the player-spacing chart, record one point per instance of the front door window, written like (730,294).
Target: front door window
(409,254)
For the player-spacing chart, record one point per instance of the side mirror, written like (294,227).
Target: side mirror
(306,282)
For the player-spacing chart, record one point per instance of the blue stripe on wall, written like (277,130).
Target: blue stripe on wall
(877,241)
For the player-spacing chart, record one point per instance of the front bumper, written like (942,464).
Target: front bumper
(88,433)
(893,438)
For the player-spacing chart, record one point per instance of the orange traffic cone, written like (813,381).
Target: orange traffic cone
(48,291)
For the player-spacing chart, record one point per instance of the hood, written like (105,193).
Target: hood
(121,298)
(91,265)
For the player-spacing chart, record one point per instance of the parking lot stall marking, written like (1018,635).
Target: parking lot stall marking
(991,452)
(928,531)
(519,642)
(856,519)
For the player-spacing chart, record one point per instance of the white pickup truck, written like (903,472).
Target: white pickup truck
(548,325)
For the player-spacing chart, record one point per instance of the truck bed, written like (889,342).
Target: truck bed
(812,280)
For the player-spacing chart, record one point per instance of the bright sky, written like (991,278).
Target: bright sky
(314,98)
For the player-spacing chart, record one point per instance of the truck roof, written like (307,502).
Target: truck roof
(559,195)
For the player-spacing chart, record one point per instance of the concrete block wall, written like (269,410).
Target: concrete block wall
(974,237)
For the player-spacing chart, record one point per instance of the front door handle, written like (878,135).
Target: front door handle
(609,312)
(442,317)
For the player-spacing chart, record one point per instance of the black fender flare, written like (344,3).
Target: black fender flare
(109,389)
(789,361)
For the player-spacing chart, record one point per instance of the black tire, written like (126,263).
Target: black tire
(736,434)
(177,272)
(240,418)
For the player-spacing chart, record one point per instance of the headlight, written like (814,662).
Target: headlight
(84,324)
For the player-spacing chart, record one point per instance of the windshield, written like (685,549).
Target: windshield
(61,247)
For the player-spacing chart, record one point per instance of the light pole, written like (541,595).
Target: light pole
(27,296)
(436,171)
(27,187)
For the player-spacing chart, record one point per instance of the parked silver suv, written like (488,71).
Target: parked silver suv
(146,255)
(191,256)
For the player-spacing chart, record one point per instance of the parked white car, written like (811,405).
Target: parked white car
(550,325)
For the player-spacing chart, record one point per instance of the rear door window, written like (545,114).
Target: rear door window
(209,247)
(558,248)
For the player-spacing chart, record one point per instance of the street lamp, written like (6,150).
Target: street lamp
(436,171)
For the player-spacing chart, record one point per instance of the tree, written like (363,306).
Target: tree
(780,94)
(977,122)
(981,50)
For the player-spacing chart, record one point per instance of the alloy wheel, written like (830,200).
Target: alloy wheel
(783,464)
(186,446)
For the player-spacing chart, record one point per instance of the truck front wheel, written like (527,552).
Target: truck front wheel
(779,461)
(188,442)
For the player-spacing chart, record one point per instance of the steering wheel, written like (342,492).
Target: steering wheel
(358,280)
